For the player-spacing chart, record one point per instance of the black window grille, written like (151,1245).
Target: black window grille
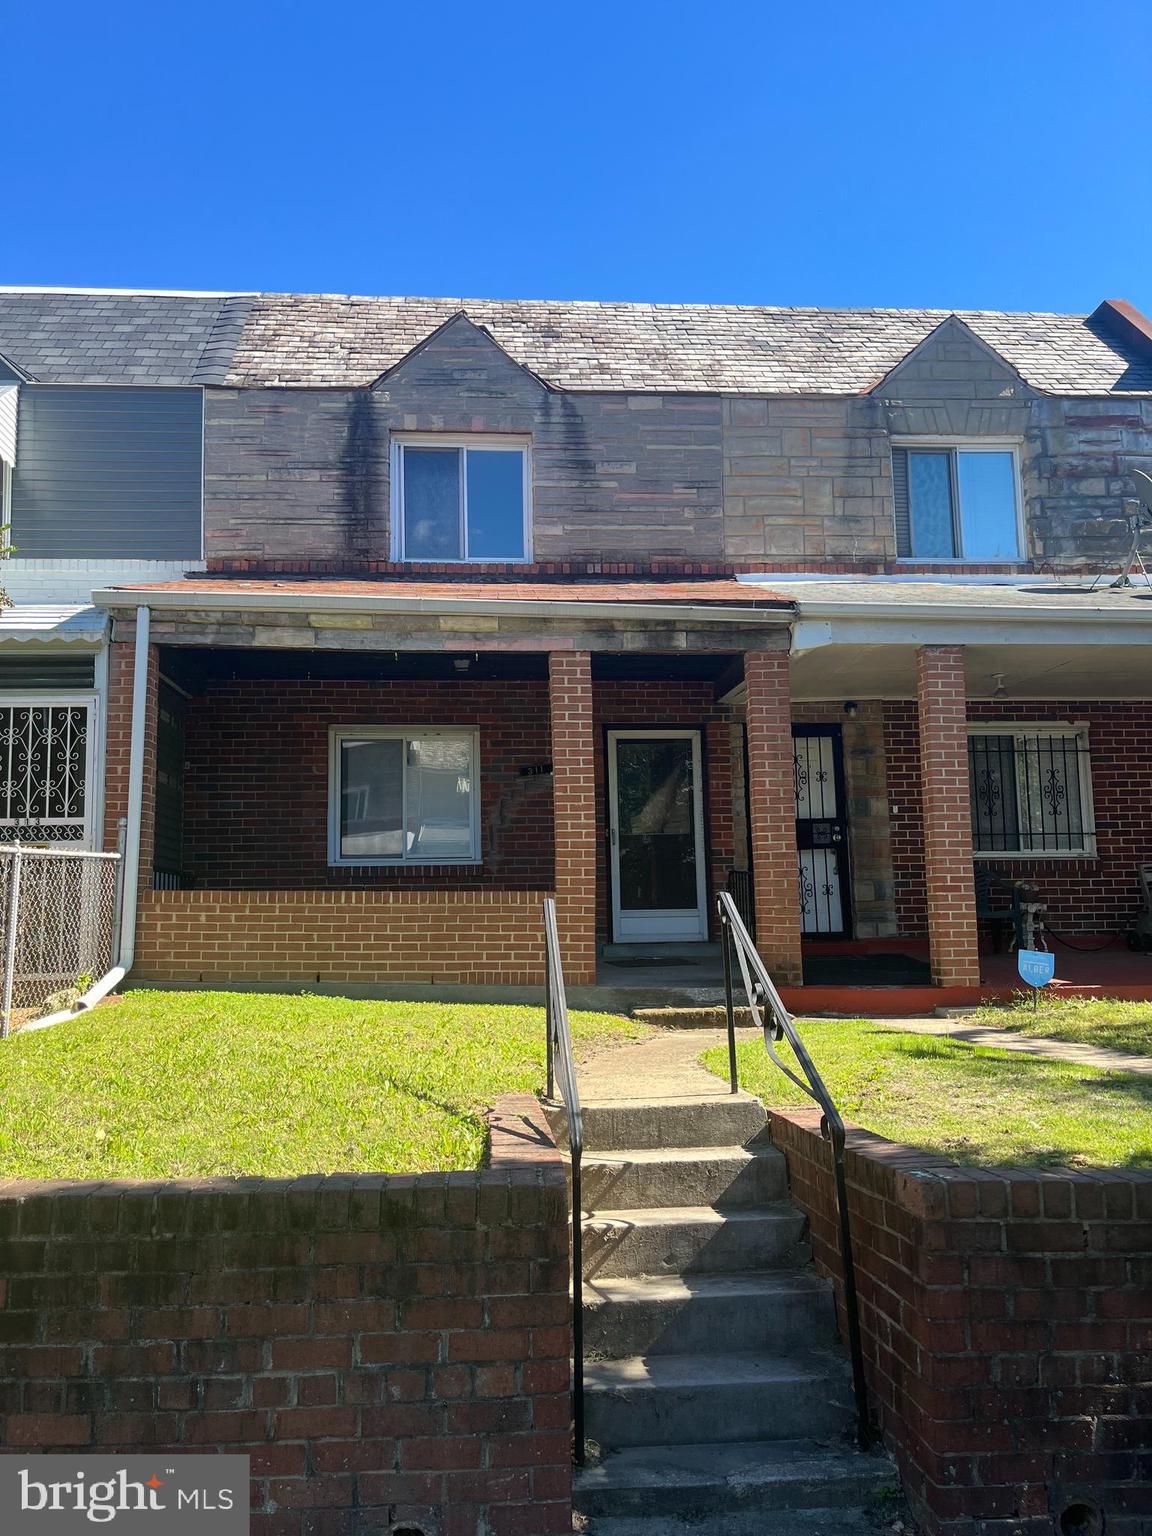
(1028,792)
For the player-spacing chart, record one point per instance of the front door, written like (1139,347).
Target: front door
(656,835)
(821,829)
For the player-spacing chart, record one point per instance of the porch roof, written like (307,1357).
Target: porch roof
(698,599)
(1023,637)
(52,623)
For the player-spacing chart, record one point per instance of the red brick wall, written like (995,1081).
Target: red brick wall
(574,752)
(476,937)
(256,794)
(1007,1323)
(1083,895)
(383,1348)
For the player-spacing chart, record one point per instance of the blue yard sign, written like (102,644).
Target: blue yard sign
(1036,966)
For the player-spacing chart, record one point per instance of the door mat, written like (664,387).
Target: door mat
(866,971)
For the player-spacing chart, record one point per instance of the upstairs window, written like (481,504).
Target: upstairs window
(1031,789)
(956,503)
(462,501)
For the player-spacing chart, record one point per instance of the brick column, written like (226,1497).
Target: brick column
(772,804)
(947,815)
(121,665)
(721,820)
(574,810)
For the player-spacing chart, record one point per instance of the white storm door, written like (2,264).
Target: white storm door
(656,835)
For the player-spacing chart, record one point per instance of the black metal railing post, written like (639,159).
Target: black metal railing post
(729,1007)
(775,1024)
(562,1070)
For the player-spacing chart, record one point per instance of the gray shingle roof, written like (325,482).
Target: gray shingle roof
(120,338)
(323,340)
(329,339)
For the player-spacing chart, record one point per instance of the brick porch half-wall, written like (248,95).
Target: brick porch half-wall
(483,937)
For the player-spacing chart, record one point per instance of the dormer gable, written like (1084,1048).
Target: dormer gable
(952,383)
(463,359)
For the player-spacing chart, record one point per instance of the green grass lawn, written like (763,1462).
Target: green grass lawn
(974,1105)
(184,1084)
(1107,1021)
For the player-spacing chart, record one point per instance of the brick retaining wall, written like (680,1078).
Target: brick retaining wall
(1007,1320)
(385,1348)
(472,937)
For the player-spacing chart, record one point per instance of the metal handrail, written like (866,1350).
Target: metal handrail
(562,1070)
(775,1023)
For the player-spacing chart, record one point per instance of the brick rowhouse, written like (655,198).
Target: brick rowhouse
(947,814)
(772,814)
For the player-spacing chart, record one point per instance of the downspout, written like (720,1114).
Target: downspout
(130,866)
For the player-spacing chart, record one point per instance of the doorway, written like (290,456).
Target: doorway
(656,836)
(821,830)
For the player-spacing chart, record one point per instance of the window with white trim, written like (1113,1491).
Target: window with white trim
(403,795)
(956,502)
(1031,791)
(465,501)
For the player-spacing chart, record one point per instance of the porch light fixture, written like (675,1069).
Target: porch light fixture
(462,663)
(850,708)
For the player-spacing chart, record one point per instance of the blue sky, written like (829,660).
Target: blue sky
(964,155)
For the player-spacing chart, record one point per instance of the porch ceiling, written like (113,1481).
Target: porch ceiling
(1028,672)
(191,667)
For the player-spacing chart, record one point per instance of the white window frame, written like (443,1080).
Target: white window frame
(1074,730)
(1010,445)
(473,441)
(92,789)
(339,733)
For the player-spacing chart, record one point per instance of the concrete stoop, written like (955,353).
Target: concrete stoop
(715,1392)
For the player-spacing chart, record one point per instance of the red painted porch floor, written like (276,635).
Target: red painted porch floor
(1114,971)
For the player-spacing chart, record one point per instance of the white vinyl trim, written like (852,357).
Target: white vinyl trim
(1011,445)
(339,733)
(477,442)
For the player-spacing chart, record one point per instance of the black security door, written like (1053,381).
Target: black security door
(821,830)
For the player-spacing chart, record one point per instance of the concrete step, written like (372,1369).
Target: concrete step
(723,1120)
(704,1016)
(680,1240)
(671,1399)
(746,1522)
(661,1176)
(692,1481)
(707,1314)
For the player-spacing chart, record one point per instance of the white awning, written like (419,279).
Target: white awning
(8,401)
(52,623)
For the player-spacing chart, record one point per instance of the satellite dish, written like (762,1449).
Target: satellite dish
(1143,481)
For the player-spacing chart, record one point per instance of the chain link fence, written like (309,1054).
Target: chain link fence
(60,911)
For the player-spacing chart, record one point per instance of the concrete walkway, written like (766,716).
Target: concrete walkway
(1097,1056)
(666,1066)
